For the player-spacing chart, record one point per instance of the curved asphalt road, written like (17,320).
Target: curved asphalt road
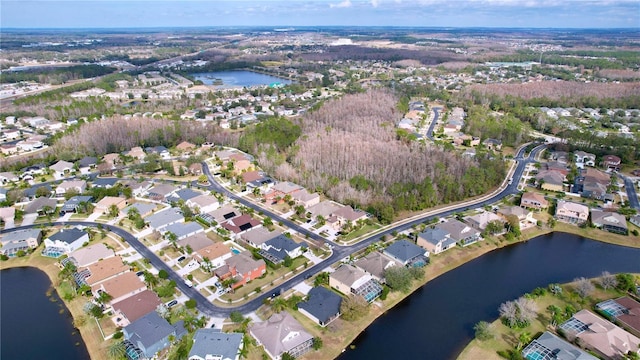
(339,252)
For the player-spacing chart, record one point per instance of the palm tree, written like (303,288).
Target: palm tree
(523,340)
(278,304)
(116,350)
(150,279)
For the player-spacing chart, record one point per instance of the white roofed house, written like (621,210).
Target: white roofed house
(205,203)
(79,186)
(162,219)
(280,334)
(61,169)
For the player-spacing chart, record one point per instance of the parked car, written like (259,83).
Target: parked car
(172,303)
(181,258)
(188,283)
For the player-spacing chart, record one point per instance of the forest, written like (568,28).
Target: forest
(56,75)
(350,151)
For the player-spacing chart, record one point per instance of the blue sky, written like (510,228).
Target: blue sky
(428,13)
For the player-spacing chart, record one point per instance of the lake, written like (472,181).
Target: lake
(436,322)
(238,78)
(33,325)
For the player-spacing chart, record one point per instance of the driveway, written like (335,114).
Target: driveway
(29,219)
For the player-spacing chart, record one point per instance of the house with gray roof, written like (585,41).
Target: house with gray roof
(64,241)
(280,334)
(279,247)
(86,164)
(635,220)
(143,209)
(407,253)
(351,280)
(183,230)
(184,195)
(460,232)
(72,205)
(41,205)
(150,334)
(15,241)
(105,183)
(375,263)
(435,240)
(31,193)
(61,169)
(3,194)
(212,344)
(322,306)
(609,221)
(258,236)
(161,192)
(549,346)
(162,219)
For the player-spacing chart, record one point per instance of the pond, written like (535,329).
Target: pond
(238,78)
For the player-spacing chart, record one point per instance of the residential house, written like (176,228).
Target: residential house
(150,334)
(525,217)
(240,163)
(136,306)
(144,209)
(240,224)
(162,151)
(492,144)
(196,242)
(549,346)
(322,306)
(182,230)
(251,176)
(611,162)
(599,335)
(551,180)
(161,192)
(305,198)
(61,169)
(533,200)
(9,149)
(8,177)
(609,221)
(139,188)
(120,287)
(351,280)
(41,205)
(324,209)
(375,263)
(185,146)
(280,334)
(19,240)
(164,218)
(635,220)
(87,164)
(195,169)
(3,194)
(583,159)
(91,254)
(211,344)
(592,184)
(183,194)
(103,206)
(344,215)
(213,256)
(242,268)
(104,183)
(625,311)
(75,203)
(407,253)
(435,240)
(481,220)
(280,190)
(205,203)
(257,237)
(77,186)
(7,216)
(278,248)
(462,233)
(100,271)
(64,241)
(111,160)
(136,153)
(571,212)
(226,212)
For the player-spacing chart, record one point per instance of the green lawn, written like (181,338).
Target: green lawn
(363,230)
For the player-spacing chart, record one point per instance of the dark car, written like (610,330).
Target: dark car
(140,273)
(181,258)
(172,303)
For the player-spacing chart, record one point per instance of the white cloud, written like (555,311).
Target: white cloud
(375,3)
(343,4)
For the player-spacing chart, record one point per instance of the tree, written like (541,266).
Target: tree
(317,343)
(113,211)
(278,304)
(353,307)
(287,356)
(494,227)
(583,287)
(626,282)
(608,281)
(398,278)
(288,261)
(190,304)
(321,279)
(116,350)
(267,221)
(509,313)
(236,317)
(523,340)
(482,331)
(163,274)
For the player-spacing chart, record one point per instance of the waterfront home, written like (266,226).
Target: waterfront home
(282,333)
(144,209)
(41,206)
(533,200)
(481,220)
(625,311)
(61,169)
(135,307)
(203,203)
(241,224)
(609,221)
(64,241)
(15,241)
(196,242)
(100,271)
(322,306)
(256,237)
(549,346)
(635,220)
(241,268)
(571,212)
(462,233)
(183,230)
(79,186)
(91,254)
(435,240)
(375,263)
(164,218)
(525,217)
(120,287)
(407,253)
(211,344)
(351,280)
(150,334)
(278,248)
(213,256)
(104,206)
(599,335)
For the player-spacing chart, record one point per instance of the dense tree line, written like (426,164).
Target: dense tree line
(57,75)
(350,151)
(507,128)
(618,59)
(354,52)
(280,132)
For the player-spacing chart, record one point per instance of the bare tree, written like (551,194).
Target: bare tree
(608,281)
(583,287)
(509,312)
(527,310)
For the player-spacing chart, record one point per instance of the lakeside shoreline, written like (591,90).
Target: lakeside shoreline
(440,264)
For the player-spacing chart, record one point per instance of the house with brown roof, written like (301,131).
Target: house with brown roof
(599,335)
(195,169)
(111,159)
(61,169)
(571,212)
(609,221)
(91,254)
(351,280)
(551,180)
(134,307)
(280,190)
(280,334)
(240,163)
(611,162)
(196,242)
(533,200)
(213,256)
(305,198)
(249,176)
(102,270)
(525,217)
(185,146)
(481,220)
(240,224)
(103,206)
(257,237)
(120,287)
(625,311)
(324,209)
(375,263)
(136,153)
(348,214)
(226,212)
(242,268)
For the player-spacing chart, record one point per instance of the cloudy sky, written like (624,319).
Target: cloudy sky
(427,13)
